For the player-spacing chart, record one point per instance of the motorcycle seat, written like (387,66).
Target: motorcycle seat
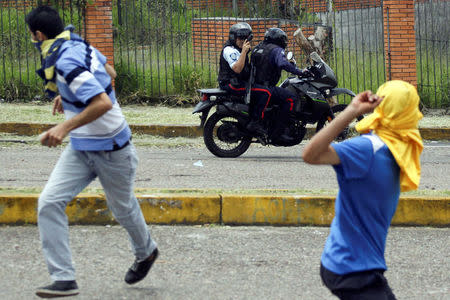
(215,91)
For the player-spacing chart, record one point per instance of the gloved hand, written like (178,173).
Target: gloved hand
(305,73)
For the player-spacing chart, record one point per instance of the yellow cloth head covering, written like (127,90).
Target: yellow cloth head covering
(395,121)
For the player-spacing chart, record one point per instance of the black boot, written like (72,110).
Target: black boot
(281,134)
(255,126)
(284,138)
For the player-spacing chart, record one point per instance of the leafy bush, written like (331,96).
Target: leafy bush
(14,90)
(142,22)
(192,78)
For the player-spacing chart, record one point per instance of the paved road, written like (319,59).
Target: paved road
(259,168)
(220,262)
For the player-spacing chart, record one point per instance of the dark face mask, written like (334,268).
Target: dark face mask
(38,45)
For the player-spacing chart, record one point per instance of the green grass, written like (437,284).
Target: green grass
(358,71)
(141,80)
(135,114)
(19,59)
(147,115)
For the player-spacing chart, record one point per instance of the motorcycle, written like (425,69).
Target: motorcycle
(225,133)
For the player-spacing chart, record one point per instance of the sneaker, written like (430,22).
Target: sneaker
(58,289)
(139,269)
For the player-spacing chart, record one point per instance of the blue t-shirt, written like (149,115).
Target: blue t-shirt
(81,75)
(369,189)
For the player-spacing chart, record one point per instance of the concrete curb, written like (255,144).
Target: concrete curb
(225,209)
(190,131)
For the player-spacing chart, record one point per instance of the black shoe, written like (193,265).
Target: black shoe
(256,127)
(58,289)
(284,139)
(139,270)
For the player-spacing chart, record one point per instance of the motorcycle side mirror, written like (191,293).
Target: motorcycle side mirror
(315,57)
(290,55)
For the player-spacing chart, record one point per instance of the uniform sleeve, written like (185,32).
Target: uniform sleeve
(281,61)
(356,156)
(231,55)
(76,75)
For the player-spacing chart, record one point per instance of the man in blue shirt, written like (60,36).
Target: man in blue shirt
(100,146)
(371,171)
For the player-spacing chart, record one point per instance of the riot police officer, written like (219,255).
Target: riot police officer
(269,59)
(234,68)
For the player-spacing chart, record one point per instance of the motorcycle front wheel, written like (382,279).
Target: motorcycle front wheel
(223,136)
(336,109)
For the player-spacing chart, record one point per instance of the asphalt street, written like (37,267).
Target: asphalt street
(220,262)
(195,167)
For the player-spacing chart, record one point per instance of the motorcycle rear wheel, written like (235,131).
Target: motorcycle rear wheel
(223,136)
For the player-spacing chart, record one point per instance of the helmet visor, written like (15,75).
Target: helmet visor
(244,34)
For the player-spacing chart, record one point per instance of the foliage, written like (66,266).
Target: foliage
(14,90)
(432,77)
(14,35)
(305,16)
(142,22)
(191,79)
(180,88)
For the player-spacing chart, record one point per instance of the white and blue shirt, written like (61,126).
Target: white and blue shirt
(369,189)
(231,55)
(81,75)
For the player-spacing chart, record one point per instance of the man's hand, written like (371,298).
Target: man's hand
(98,105)
(365,102)
(319,150)
(57,105)
(54,136)
(246,47)
(110,70)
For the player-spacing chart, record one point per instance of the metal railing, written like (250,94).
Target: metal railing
(155,55)
(433,52)
(154,49)
(19,59)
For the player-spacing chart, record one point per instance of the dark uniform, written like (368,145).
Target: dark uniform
(269,60)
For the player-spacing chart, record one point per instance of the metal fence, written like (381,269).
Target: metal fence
(159,51)
(169,47)
(433,51)
(19,59)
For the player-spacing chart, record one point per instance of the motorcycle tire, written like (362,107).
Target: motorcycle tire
(223,136)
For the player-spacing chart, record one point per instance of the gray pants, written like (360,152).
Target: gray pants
(73,172)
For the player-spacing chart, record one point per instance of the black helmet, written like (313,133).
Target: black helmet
(276,36)
(241,30)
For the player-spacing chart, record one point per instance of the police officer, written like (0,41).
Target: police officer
(269,59)
(234,68)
